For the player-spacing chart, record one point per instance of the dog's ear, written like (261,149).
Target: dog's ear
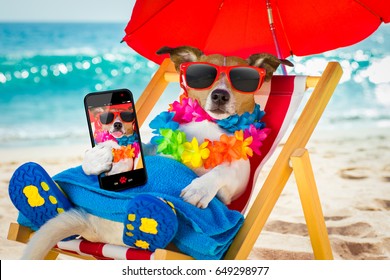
(181,54)
(267,61)
(97,110)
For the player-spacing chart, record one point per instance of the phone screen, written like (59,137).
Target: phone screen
(111,117)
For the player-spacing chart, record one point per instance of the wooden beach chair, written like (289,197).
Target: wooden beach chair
(279,99)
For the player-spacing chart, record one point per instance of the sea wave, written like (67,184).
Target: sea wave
(62,68)
(47,69)
(361,67)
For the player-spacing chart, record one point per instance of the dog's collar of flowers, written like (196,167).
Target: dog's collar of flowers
(128,151)
(130,147)
(245,135)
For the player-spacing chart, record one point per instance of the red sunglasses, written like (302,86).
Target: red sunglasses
(202,75)
(109,117)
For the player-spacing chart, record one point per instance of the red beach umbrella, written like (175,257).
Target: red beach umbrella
(245,27)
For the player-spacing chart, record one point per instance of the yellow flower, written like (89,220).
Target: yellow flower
(193,154)
(129,152)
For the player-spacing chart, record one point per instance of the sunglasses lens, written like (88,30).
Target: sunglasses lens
(106,118)
(244,79)
(200,76)
(127,116)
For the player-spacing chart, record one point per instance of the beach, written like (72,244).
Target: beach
(46,69)
(352,171)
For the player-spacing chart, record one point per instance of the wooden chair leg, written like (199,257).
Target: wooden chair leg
(19,233)
(162,254)
(51,255)
(311,204)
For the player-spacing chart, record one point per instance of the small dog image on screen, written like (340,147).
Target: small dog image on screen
(117,123)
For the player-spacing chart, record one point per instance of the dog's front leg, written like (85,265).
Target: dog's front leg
(99,158)
(226,181)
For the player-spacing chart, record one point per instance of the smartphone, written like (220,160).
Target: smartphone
(111,116)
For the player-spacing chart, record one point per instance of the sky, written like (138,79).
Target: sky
(65,10)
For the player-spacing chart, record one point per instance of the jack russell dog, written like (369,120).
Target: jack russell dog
(119,123)
(220,86)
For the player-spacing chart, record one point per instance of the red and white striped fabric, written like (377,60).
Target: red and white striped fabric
(103,251)
(280,99)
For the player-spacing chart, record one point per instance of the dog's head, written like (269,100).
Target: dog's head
(222,99)
(117,120)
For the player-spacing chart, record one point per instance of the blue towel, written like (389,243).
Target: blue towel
(202,234)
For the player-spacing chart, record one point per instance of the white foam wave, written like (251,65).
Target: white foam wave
(378,71)
(82,51)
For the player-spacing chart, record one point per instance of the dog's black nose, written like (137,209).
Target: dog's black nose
(118,125)
(220,96)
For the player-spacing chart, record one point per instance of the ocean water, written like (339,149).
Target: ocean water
(46,69)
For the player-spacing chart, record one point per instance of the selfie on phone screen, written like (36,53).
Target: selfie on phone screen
(112,117)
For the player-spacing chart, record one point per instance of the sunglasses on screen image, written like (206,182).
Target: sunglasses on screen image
(202,75)
(109,117)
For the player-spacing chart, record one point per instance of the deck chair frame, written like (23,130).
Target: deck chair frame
(293,157)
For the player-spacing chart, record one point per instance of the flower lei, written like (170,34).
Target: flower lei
(130,147)
(246,135)
(129,151)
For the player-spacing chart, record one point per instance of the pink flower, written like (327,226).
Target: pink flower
(258,135)
(136,148)
(189,110)
(103,136)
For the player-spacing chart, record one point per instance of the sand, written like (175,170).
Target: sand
(352,171)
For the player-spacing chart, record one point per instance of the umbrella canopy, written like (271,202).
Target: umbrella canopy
(245,27)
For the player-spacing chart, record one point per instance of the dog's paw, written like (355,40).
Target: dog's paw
(122,166)
(98,159)
(198,193)
(110,144)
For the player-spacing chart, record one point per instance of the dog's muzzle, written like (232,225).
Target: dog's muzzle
(220,97)
(118,126)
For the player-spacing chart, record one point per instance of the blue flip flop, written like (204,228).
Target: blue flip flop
(36,195)
(151,223)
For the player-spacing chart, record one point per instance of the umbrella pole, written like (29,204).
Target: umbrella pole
(272,27)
